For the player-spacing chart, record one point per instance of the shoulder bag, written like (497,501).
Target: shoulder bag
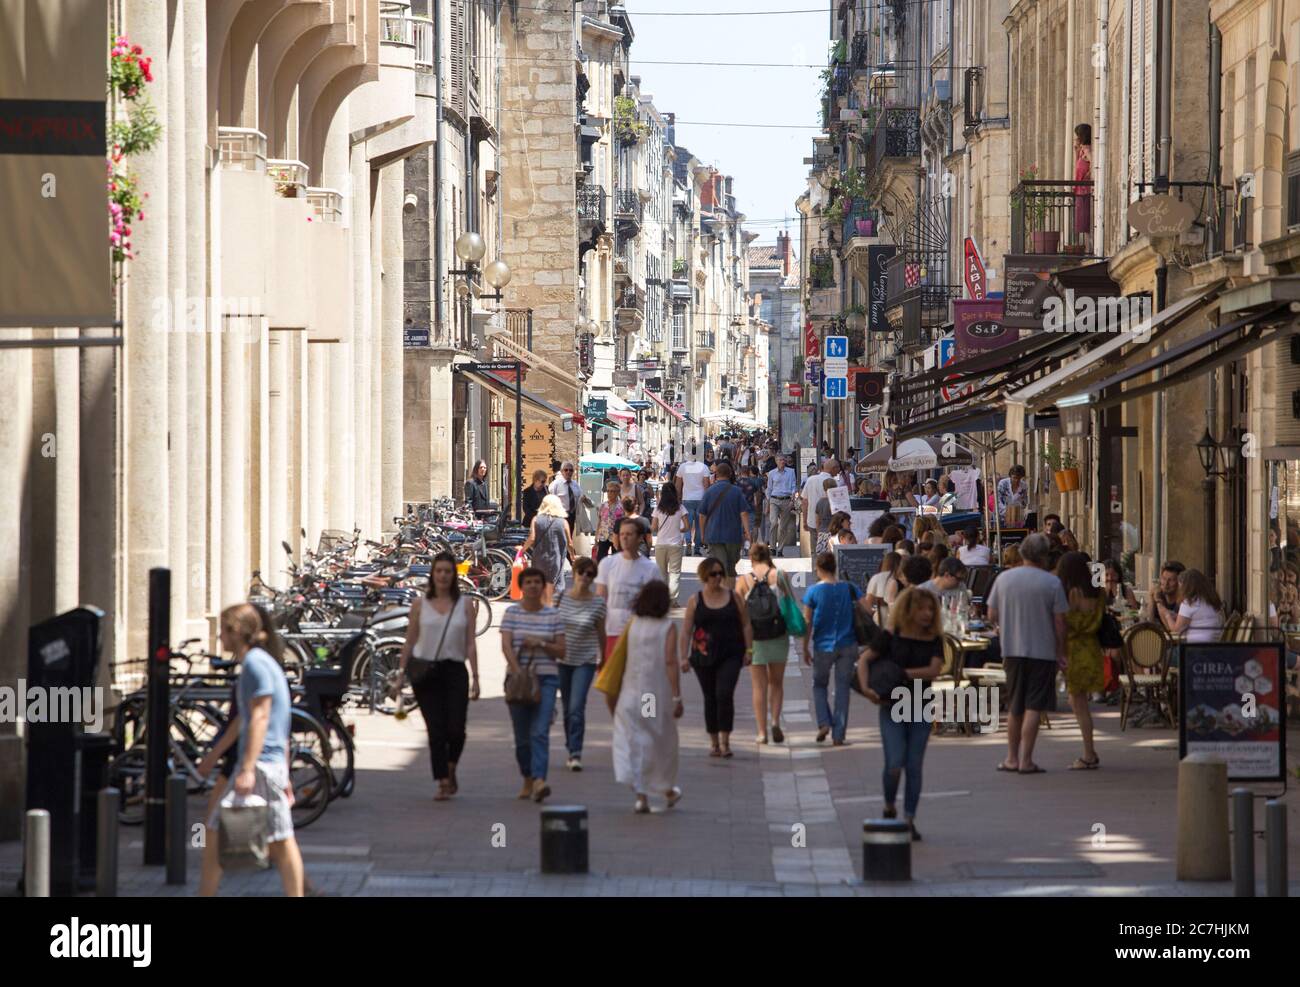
(523,688)
(1109,634)
(418,669)
(865,630)
(794,622)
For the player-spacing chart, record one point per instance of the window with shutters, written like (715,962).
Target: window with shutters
(457,83)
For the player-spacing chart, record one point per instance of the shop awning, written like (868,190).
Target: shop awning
(1045,390)
(506,389)
(677,415)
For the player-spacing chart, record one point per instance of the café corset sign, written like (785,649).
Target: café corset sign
(1161,215)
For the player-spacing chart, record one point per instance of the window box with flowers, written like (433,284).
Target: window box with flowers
(135,132)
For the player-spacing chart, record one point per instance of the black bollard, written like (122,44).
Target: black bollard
(176,829)
(564,839)
(886,850)
(106,843)
(1243,843)
(1275,848)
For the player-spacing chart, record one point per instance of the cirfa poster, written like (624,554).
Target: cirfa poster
(1232,705)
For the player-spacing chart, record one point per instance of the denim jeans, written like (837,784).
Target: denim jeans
(842,661)
(904,745)
(694,536)
(575,683)
(533,729)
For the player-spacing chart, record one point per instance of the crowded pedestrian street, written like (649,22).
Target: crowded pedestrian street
(650,449)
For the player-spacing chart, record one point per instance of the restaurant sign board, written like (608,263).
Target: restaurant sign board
(1232,706)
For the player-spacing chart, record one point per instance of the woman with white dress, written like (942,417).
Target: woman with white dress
(645,731)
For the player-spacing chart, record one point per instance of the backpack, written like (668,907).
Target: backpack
(765,612)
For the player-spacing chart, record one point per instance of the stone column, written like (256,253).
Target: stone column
(357,419)
(369,520)
(275,480)
(200,521)
(321,458)
(15,441)
(392,192)
(178,518)
(236,369)
(145,385)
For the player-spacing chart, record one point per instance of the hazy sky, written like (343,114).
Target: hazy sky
(767,164)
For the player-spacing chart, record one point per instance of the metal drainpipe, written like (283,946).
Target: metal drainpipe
(1099,182)
(1166,93)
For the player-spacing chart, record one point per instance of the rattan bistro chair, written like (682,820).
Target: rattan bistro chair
(1145,657)
(952,676)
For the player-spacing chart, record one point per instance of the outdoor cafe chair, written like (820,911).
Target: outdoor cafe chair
(1145,659)
(952,676)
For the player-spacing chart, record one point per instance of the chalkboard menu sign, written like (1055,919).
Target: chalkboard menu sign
(1027,284)
(858,563)
(878,286)
(1232,705)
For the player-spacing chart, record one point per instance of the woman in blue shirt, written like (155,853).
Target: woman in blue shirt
(831,644)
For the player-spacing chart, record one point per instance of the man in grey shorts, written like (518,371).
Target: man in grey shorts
(262,762)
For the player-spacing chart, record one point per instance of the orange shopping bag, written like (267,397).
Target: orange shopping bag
(516,591)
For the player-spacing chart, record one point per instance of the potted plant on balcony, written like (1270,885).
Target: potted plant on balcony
(679,267)
(1034,210)
(1064,467)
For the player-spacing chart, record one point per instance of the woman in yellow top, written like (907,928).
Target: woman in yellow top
(1084,672)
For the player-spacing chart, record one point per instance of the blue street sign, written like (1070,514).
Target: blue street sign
(837,347)
(947,350)
(836,388)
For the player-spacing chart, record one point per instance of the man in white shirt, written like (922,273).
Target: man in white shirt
(620,577)
(813,491)
(781,489)
(693,479)
(565,486)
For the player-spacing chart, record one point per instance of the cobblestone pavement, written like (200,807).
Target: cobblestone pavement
(777,819)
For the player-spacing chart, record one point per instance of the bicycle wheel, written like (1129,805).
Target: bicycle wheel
(483,623)
(127,775)
(386,660)
(311,787)
(310,734)
(342,760)
(500,565)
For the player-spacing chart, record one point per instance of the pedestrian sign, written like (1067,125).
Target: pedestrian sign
(837,388)
(837,347)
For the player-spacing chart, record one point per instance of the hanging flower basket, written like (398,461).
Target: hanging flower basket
(1067,480)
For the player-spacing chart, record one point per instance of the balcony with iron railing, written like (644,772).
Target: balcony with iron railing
(821,268)
(895,138)
(919,281)
(1051,217)
(591,204)
(705,342)
(860,222)
(628,207)
(242,148)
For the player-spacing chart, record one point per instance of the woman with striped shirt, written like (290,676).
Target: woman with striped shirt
(583,613)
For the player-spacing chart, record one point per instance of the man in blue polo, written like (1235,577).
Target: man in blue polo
(724,515)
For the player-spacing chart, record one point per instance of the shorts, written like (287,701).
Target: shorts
(728,554)
(272,784)
(772,652)
(1031,684)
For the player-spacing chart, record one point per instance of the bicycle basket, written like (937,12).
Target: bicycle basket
(332,538)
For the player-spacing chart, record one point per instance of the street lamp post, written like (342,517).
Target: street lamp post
(471,249)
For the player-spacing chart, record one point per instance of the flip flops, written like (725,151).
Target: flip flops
(1082,765)
(1002,766)
(1035,770)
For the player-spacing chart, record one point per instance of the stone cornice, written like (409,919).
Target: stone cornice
(1136,261)
(1227,14)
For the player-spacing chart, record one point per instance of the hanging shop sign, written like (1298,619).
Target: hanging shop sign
(1161,215)
(976,279)
(1027,284)
(978,326)
(878,286)
(812,346)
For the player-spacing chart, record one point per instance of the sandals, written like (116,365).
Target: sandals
(674,796)
(777,734)
(444,792)
(1081,764)
(726,751)
(716,752)
(1003,766)
(1035,770)
(761,738)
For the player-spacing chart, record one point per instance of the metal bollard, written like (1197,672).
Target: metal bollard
(1243,843)
(36,854)
(886,850)
(106,844)
(176,829)
(1275,848)
(564,839)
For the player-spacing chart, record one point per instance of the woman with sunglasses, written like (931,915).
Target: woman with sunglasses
(718,638)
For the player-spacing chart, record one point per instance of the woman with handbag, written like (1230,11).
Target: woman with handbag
(532,637)
(764,593)
(1084,673)
(717,637)
(645,739)
(912,651)
(439,643)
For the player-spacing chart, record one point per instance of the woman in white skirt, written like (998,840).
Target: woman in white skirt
(645,735)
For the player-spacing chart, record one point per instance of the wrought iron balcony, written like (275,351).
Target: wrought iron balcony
(591,204)
(632,297)
(919,281)
(897,138)
(821,268)
(861,51)
(704,340)
(628,208)
(1051,217)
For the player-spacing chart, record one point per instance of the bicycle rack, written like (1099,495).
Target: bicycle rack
(344,633)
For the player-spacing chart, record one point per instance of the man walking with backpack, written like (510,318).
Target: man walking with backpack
(764,592)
